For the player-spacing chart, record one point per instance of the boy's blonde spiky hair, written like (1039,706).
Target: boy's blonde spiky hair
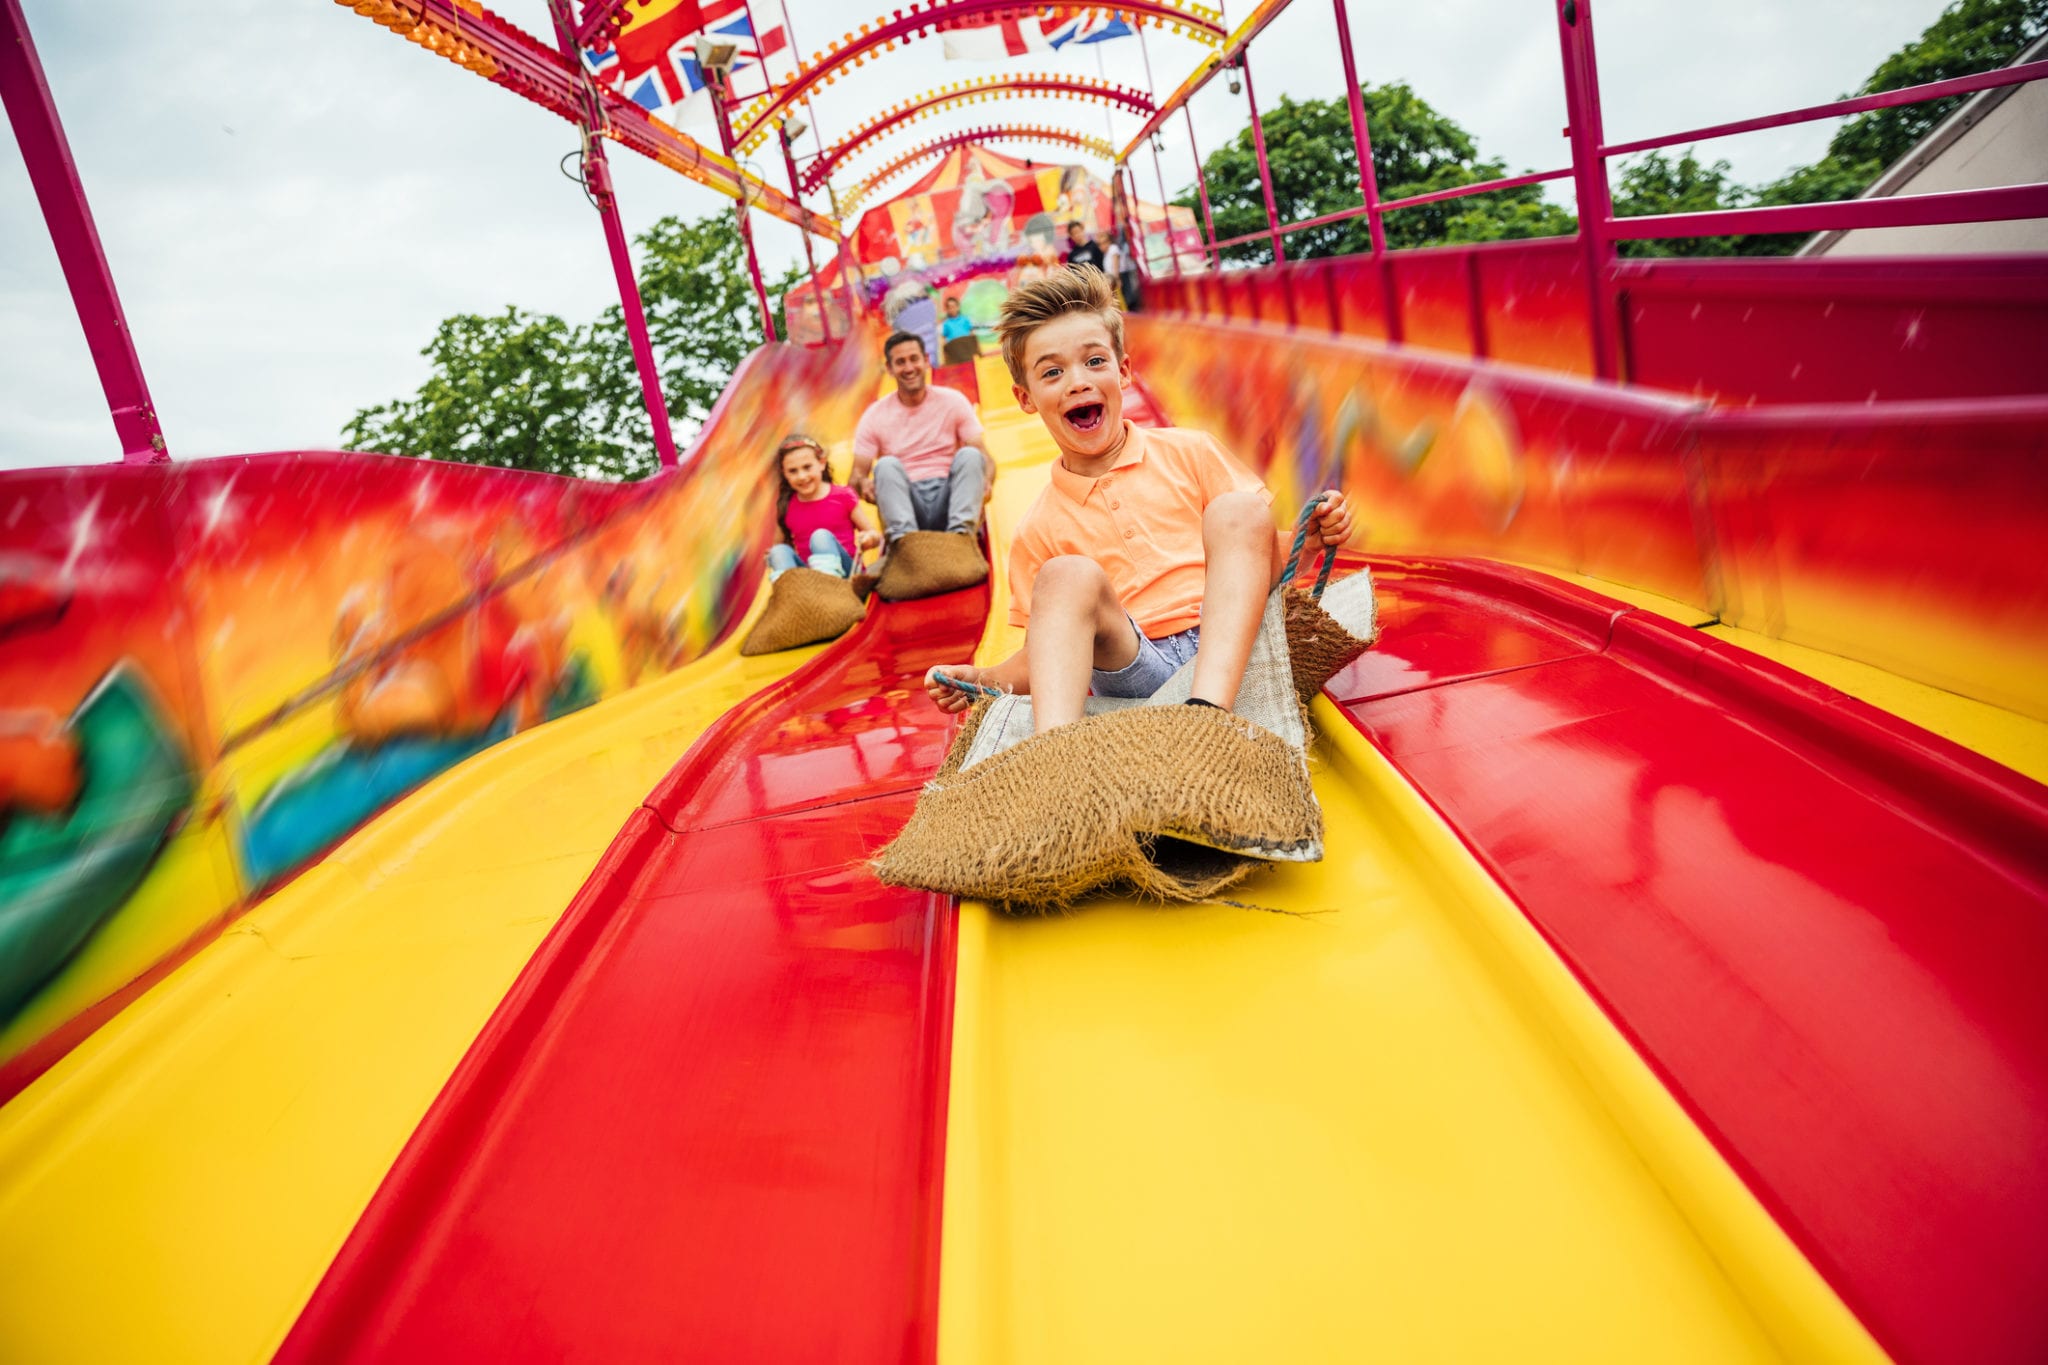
(1077,289)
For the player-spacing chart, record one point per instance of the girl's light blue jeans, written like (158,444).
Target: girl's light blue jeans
(827,556)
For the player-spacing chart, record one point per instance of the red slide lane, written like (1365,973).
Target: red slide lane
(1825,928)
(707,1122)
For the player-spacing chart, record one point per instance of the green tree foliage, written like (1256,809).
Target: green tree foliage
(1417,150)
(1315,172)
(1969,36)
(531,391)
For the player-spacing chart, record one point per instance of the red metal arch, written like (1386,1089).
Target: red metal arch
(1098,146)
(993,87)
(922,20)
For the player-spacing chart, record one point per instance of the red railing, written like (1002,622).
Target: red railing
(1600,228)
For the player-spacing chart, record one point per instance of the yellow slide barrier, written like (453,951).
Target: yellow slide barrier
(1386,1126)
(174,1188)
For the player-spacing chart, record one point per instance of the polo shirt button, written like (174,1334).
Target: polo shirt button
(1113,506)
(1127,535)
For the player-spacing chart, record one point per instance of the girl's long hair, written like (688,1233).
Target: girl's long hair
(783,492)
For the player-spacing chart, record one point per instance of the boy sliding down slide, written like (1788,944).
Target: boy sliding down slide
(1148,548)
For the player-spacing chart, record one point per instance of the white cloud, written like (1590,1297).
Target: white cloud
(291,198)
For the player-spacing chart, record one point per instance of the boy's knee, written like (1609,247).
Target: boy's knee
(1069,577)
(1237,514)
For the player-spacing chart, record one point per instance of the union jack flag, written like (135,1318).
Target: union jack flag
(653,59)
(995,39)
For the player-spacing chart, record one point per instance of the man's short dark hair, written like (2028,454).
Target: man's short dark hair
(897,339)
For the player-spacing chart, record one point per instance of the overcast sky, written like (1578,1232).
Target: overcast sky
(291,197)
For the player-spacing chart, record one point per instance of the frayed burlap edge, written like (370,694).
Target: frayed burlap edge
(1111,802)
(805,607)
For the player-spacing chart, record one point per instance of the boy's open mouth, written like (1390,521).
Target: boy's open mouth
(1086,417)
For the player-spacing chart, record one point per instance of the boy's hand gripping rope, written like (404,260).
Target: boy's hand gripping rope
(1294,554)
(972,689)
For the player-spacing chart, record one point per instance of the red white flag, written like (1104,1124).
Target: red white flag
(995,40)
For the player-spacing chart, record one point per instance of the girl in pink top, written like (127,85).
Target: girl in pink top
(815,515)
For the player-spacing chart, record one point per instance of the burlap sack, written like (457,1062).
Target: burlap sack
(1319,643)
(804,607)
(1175,803)
(927,563)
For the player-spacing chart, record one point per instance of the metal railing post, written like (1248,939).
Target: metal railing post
(1209,251)
(1244,64)
(597,181)
(719,97)
(1589,175)
(33,112)
(810,257)
(1361,136)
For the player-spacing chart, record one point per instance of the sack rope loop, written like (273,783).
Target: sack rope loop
(1294,555)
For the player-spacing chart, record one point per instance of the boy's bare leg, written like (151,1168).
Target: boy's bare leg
(1237,546)
(1076,625)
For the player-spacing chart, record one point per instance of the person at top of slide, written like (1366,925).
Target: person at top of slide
(917,453)
(1082,249)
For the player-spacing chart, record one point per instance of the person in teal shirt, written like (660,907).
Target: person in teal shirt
(959,343)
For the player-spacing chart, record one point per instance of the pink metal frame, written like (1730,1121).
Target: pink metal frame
(905,25)
(1064,87)
(48,153)
(1599,229)
(597,179)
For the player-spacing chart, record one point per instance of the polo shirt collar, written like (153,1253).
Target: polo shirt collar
(1077,487)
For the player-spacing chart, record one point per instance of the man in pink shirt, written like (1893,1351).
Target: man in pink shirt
(917,453)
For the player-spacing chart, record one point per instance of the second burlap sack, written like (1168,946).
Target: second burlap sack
(927,563)
(804,607)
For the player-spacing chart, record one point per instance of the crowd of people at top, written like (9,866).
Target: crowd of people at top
(1148,548)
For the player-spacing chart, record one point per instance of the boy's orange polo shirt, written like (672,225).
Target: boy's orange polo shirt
(1142,522)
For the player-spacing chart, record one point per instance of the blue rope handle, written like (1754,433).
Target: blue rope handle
(971,689)
(1294,554)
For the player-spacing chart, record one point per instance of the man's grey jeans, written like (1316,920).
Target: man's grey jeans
(951,503)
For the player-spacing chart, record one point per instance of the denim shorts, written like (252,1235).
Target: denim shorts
(1157,661)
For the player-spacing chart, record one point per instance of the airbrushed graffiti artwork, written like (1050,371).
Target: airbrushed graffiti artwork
(214,671)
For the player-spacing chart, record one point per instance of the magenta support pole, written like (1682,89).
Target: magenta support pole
(1158,173)
(1368,176)
(1361,136)
(33,112)
(810,258)
(597,179)
(719,95)
(1244,64)
(1589,174)
(1202,191)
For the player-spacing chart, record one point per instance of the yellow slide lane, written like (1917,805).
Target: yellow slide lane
(175,1187)
(1393,1128)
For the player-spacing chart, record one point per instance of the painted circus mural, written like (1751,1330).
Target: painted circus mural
(978,225)
(212,671)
